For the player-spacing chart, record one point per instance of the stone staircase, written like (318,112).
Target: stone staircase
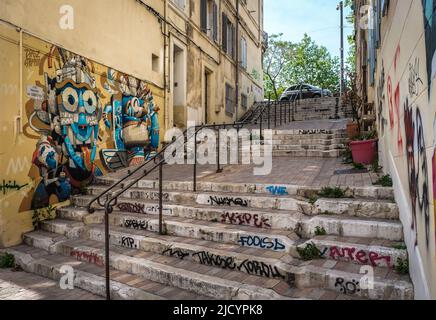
(304,143)
(227,241)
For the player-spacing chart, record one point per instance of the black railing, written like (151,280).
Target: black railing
(256,115)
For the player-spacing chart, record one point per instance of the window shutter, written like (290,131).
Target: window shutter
(215,21)
(224,33)
(233,45)
(203,15)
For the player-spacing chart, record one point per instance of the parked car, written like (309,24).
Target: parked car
(307,92)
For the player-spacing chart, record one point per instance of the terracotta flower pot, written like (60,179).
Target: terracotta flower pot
(352,130)
(364,152)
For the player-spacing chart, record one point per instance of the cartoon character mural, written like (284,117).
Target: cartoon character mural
(429,7)
(134,123)
(70,112)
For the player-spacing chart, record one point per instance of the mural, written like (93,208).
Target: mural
(134,123)
(70,111)
(67,109)
(429,7)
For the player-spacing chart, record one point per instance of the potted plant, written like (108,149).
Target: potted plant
(364,148)
(352,99)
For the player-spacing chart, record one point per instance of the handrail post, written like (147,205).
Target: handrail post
(281,112)
(290,106)
(160,198)
(260,125)
(218,170)
(107,210)
(275,114)
(269,115)
(195,160)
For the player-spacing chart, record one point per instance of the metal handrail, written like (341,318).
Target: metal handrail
(158,162)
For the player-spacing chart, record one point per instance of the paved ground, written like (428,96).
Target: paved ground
(285,170)
(25,286)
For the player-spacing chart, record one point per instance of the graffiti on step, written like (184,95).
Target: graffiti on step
(245,219)
(214,260)
(89,257)
(228,201)
(132,207)
(315,131)
(128,242)
(11,185)
(261,242)
(136,224)
(251,267)
(347,287)
(260,269)
(175,253)
(362,257)
(155,209)
(277,191)
(140,208)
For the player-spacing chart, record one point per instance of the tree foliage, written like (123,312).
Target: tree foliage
(287,63)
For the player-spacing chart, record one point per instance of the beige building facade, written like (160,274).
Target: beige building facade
(396,62)
(84,84)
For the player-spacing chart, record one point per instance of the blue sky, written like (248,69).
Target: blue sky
(318,18)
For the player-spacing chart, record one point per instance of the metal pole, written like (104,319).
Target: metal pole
(341,8)
(218,170)
(106,251)
(195,160)
(160,198)
(269,114)
(275,114)
(260,125)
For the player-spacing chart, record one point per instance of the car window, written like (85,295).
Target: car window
(291,88)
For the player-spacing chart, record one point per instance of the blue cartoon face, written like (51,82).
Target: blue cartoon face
(134,107)
(78,106)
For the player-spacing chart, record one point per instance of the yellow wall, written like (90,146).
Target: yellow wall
(406,107)
(18,141)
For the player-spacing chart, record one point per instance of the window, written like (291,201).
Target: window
(209,18)
(244,53)
(155,63)
(179,3)
(228,39)
(244,101)
(229,99)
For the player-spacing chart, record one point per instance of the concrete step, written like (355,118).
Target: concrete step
(177,269)
(362,251)
(271,240)
(372,192)
(171,272)
(380,209)
(273,219)
(295,147)
(215,199)
(302,153)
(91,277)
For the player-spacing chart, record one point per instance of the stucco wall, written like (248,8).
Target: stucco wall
(406,107)
(39,166)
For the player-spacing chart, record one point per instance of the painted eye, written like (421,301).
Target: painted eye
(89,101)
(70,99)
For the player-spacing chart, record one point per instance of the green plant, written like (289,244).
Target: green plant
(320,231)
(7,261)
(400,246)
(358,166)
(329,192)
(310,252)
(402,266)
(375,167)
(385,181)
(313,199)
(366,136)
(347,156)
(39,215)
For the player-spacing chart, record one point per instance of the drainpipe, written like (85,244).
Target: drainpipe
(19,118)
(166,107)
(237,60)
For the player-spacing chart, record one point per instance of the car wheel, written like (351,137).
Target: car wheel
(316,96)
